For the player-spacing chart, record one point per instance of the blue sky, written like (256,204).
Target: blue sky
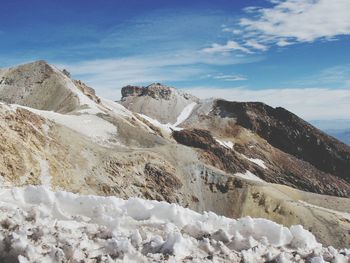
(291,53)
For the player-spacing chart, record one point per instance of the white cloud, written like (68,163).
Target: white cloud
(231,30)
(229,77)
(256,45)
(108,76)
(308,103)
(288,22)
(228,47)
(293,21)
(283,43)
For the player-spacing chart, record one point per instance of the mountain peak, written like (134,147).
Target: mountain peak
(156,100)
(42,86)
(156,91)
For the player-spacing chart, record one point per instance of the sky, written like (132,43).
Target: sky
(290,53)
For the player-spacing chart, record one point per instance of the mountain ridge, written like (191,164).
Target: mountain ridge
(102,148)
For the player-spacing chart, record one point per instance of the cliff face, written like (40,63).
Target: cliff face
(155,91)
(157,101)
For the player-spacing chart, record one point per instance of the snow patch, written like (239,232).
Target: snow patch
(40,225)
(89,125)
(163,127)
(186,112)
(259,162)
(250,176)
(116,108)
(168,128)
(83,99)
(226,144)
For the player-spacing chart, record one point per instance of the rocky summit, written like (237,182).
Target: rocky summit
(231,158)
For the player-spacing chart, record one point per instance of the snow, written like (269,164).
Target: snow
(168,128)
(250,176)
(186,112)
(83,99)
(40,225)
(116,108)
(163,127)
(257,161)
(45,176)
(88,125)
(226,144)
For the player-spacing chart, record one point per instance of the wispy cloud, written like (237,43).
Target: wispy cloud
(337,75)
(228,47)
(286,23)
(255,45)
(229,77)
(308,103)
(156,47)
(109,75)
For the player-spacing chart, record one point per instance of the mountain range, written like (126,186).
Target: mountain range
(232,158)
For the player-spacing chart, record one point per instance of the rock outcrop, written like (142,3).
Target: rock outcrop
(157,101)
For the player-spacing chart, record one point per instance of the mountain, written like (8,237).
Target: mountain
(234,159)
(295,153)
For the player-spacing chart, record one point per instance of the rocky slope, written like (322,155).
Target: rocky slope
(285,131)
(212,163)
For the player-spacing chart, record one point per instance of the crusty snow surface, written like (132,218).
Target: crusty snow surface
(39,225)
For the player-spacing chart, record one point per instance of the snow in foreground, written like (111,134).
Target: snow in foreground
(39,225)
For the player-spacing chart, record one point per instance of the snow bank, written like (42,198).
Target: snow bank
(39,225)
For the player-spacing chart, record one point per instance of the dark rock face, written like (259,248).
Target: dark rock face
(129,90)
(155,90)
(214,153)
(289,133)
(282,169)
(66,72)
